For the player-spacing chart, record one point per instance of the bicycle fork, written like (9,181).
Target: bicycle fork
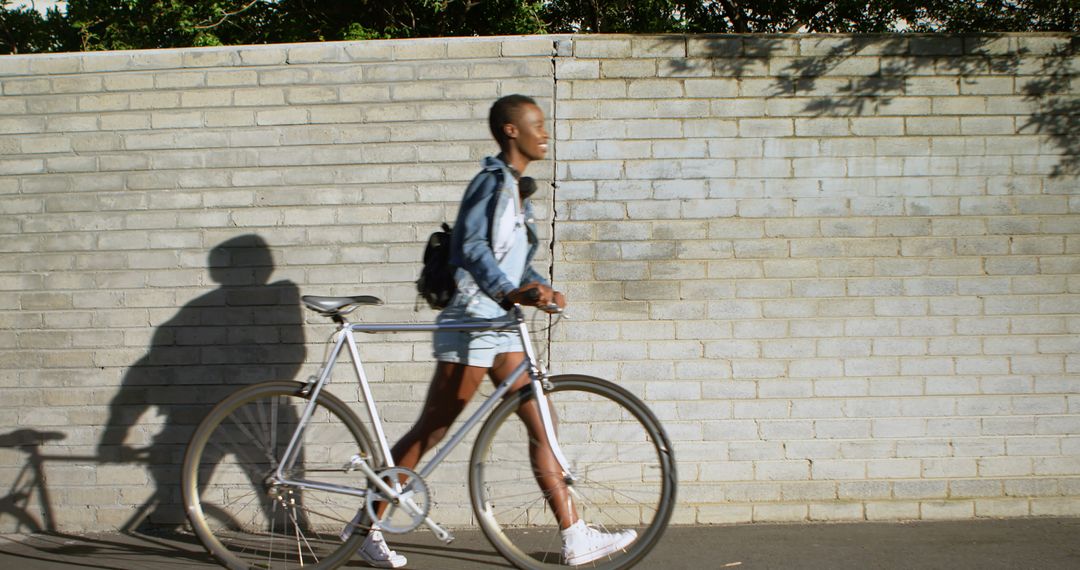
(539,382)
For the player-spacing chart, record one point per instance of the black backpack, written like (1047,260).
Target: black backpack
(436,283)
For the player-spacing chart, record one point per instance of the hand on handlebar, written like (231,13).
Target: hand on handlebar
(539,296)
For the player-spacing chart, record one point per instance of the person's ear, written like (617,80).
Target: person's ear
(510,130)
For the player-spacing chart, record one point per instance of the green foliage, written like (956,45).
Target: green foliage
(616,16)
(322,20)
(995,15)
(24,30)
(809,16)
(129,24)
(132,24)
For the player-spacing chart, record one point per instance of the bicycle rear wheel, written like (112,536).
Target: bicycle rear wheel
(242,517)
(621,460)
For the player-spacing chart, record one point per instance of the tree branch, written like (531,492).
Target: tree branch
(735,15)
(800,22)
(226,16)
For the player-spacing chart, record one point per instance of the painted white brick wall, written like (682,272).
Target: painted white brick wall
(844,271)
(121,172)
(880,295)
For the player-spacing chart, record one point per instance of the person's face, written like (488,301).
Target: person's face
(527,133)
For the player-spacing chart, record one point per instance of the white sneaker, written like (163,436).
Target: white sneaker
(583,544)
(376,553)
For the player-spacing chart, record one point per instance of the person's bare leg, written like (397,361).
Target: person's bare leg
(451,389)
(581,544)
(545,466)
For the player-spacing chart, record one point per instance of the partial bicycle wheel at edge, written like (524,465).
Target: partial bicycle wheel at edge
(244,519)
(621,460)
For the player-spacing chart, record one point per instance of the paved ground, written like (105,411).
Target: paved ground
(1019,543)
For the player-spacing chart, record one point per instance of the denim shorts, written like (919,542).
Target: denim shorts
(474,348)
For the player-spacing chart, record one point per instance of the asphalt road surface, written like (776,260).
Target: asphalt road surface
(1036,543)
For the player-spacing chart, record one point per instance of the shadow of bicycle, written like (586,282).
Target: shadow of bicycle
(246,330)
(28,501)
(112,552)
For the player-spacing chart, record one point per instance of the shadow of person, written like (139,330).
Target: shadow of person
(247,330)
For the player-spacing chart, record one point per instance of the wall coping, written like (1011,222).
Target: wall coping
(548,45)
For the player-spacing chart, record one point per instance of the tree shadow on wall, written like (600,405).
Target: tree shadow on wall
(1059,116)
(247,330)
(1044,100)
(733,56)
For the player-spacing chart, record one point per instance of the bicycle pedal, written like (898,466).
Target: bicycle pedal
(354,463)
(439,532)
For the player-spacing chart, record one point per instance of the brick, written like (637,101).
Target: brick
(892,511)
(711,88)
(454,50)
(716,46)
(750,128)
(658,46)
(947,510)
(602,47)
(998,508)
(528,46)
(579,69)
(685,67)
(147,100)
(822,127)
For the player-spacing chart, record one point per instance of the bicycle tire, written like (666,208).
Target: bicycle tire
(617,449)
(242,520)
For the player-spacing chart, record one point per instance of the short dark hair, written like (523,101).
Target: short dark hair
(502,112)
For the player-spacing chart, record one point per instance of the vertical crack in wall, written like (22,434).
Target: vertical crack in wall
(555,44)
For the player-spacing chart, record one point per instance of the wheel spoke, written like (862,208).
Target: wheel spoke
(245,519)
(623,475)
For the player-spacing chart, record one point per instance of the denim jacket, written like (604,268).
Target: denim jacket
(471,243)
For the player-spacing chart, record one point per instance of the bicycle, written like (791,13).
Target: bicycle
(270,479)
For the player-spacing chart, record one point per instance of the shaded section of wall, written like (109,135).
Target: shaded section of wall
(164,210)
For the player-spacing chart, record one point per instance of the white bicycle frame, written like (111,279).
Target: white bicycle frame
(345,336)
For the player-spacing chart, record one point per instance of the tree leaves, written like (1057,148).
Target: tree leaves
(130,24)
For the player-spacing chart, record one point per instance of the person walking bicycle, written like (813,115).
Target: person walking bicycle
(273,475)
(494,240)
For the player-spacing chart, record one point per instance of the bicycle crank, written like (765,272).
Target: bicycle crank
(403,497)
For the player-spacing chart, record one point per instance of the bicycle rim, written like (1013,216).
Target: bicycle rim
(621,459)
(245,521)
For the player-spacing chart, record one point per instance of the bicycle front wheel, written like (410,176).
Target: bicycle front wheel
(622,474)
(244,517)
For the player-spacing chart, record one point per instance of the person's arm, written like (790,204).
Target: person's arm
(533,276)
(473,229)
(124,412)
